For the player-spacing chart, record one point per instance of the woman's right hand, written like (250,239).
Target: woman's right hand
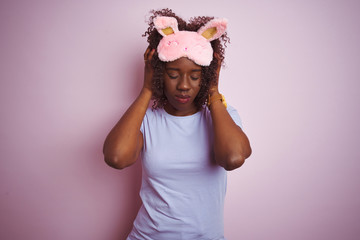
(149,71)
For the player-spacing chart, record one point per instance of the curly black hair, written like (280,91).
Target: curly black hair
(208,74)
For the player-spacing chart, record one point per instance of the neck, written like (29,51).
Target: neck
(178,112)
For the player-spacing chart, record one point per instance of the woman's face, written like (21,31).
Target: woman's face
(182,79)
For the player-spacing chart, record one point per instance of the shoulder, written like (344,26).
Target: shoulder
(154,113)
(151,118)
(232,112)
(231,109)
(234,115)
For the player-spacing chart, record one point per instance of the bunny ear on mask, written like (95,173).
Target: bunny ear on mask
(213,29)
(166,25)
(195,46)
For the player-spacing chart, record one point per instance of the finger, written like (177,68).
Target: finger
(217,57)
(147,53)
(151,54)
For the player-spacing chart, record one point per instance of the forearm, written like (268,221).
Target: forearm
(231,145)
(124,142)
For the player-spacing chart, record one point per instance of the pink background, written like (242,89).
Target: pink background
(69,69)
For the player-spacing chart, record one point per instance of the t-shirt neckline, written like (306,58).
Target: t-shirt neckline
(179,117)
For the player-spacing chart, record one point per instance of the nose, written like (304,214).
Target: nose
(183,84)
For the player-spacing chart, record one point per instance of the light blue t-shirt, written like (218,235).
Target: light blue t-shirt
(183,189)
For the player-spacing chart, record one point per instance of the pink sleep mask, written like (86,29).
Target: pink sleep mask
(194,45)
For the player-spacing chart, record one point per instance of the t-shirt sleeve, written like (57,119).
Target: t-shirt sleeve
(234,115)
(145,121)
(142,125)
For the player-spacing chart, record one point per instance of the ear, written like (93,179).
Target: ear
(213,29)
(166,25)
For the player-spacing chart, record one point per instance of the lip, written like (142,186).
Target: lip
(182,98)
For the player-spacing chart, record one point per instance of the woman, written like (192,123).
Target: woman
(188,139)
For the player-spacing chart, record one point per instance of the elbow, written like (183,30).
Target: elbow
(117,162)
(234,163)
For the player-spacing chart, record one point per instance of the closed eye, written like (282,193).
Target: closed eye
(196,74)
(172,76)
